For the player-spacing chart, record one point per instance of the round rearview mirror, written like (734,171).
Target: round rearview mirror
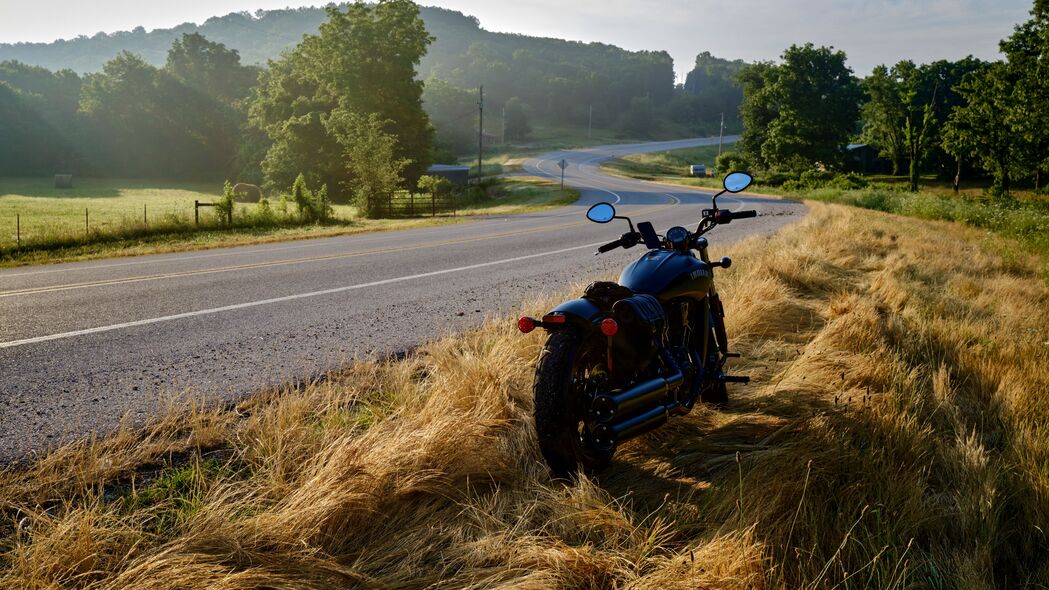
(601,213)
(737,181)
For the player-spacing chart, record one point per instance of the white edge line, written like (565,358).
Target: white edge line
(202,312)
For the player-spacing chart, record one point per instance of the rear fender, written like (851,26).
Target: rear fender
(582,313)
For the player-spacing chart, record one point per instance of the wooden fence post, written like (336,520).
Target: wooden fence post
(145,218)
(196,212)
(18,229)
(87,226)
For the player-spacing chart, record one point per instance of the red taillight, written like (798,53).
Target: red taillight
(609,327)
(526,324)
(554,319)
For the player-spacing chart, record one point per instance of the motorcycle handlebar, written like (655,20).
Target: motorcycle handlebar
(628,240)
(723,216)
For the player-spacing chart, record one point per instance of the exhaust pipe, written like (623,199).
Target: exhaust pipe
(607,436)
(607,407)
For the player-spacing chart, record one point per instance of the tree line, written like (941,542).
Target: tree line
(202,113)
(954,118)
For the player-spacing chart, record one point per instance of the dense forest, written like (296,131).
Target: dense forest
(177,103)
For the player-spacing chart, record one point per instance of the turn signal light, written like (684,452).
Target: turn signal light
(609,327)
(526,324)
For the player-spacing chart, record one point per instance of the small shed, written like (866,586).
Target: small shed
(459,175)
(865,159)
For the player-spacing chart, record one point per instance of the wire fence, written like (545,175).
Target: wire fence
(35,229)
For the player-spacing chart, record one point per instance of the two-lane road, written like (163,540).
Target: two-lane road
(84,344)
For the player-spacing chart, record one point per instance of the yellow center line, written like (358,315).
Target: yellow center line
(255,265)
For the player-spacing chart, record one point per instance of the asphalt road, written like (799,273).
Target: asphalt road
(84,344)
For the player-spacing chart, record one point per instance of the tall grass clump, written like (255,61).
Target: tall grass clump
(896,435)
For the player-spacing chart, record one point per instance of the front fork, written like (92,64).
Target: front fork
(716,317)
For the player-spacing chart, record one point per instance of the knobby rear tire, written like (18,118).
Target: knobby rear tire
(561,408)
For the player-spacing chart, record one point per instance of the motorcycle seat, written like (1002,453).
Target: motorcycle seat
(606,294)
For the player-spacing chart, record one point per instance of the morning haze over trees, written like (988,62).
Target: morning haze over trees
(250,98)
(216,101)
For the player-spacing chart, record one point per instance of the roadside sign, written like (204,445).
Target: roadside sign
(563,164)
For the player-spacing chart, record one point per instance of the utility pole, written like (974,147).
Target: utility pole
(480,135)
(503,135)
(721,137)
(590,123)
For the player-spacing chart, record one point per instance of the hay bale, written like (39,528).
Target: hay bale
(63,181)
(247,193)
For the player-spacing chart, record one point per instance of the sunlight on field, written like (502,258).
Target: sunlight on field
(894,437)
(44,209)
(53,225)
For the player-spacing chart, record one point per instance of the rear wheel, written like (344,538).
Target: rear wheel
(561,406)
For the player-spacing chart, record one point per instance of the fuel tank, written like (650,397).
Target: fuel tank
(668,274)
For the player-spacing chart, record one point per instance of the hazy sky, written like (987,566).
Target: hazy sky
(870,31)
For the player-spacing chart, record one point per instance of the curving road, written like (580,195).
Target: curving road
(84,344)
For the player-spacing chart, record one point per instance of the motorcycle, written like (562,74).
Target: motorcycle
(625,357)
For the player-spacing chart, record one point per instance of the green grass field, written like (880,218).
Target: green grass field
(47,211)
(1024,218)
(673,163)
(133,217)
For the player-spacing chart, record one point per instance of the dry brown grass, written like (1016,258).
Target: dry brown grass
(897,437)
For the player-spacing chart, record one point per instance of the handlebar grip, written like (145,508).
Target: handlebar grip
(744,214)
(610,246)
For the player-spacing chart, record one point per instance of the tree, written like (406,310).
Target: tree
(979,129)
(210,68)
(362,61)
(145,123)
(1027,50)
(711,89)
(453,112)
(370,153)
(39,124)
(906,109)
(882,114)
(517,126)
(758,110)
(639,121)
(816,103)
(918,116)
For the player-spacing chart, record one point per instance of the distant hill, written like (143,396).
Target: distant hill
(560,81)
(264,35)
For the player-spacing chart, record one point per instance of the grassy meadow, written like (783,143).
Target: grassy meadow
(1024,217)
(129,217)
(672,163)
(895,436)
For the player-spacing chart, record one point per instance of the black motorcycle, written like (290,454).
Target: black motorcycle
(626,356)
